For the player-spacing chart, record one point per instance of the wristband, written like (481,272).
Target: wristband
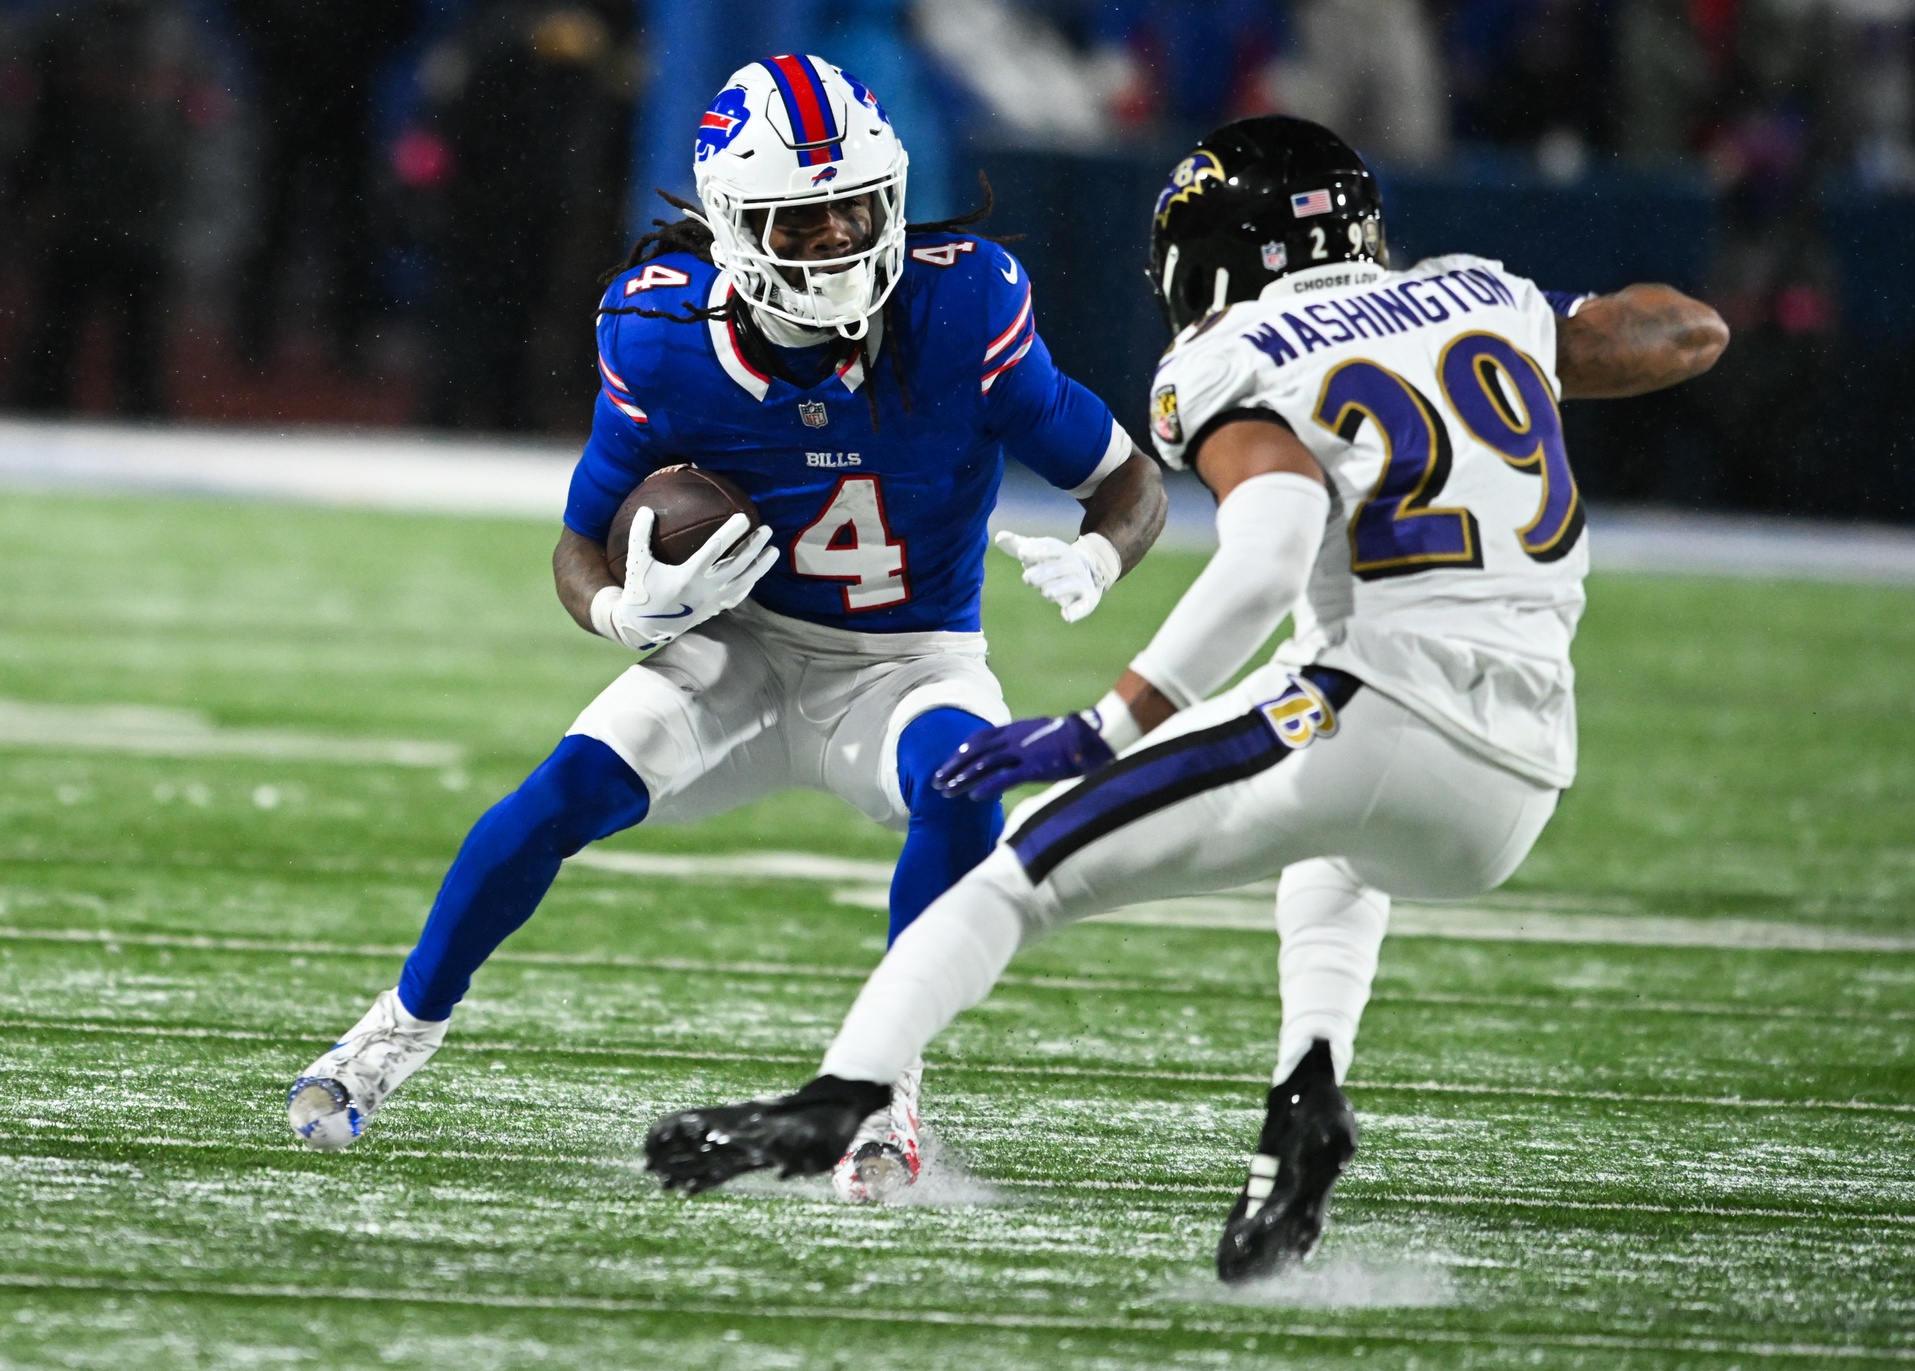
(1567,302)
(1100,554)
(1114,722)
(602,605)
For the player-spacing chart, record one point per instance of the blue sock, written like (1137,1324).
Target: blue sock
(947,837)
(580,793)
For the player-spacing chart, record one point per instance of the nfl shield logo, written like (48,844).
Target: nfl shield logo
(813,413)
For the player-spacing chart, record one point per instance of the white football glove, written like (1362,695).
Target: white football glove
(1072,576)
(659,601)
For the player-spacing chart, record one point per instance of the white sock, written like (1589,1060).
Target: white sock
(940,966)
(1332,928)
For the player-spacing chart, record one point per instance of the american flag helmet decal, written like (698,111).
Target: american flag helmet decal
(1310,202)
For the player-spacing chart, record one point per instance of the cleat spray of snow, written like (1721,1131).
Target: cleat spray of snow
(1346,1280)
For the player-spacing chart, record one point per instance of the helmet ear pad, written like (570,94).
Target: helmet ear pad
(1254,201)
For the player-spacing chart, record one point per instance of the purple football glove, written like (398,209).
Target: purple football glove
(1022,752)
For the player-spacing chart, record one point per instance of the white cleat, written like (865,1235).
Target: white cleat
(335,1098)
(882,1162)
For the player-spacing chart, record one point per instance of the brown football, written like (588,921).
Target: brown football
(690,503)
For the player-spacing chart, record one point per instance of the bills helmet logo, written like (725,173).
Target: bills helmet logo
(727,115)
(1189,178)
(865,97)
(828,174)
(1300,715)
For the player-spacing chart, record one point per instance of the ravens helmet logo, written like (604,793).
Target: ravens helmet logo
(1189,178)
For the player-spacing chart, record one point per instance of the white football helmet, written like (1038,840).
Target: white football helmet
(795,130)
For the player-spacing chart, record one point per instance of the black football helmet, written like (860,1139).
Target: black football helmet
(1253,201)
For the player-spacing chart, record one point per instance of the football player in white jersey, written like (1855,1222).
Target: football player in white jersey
(1388,461)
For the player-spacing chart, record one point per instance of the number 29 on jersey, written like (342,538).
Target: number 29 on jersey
(1505,403)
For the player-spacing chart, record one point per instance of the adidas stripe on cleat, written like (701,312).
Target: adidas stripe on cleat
(1309,1136)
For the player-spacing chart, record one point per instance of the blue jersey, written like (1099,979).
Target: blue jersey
(880,527)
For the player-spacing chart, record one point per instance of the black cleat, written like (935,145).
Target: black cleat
(801,1134)
(1309,1136)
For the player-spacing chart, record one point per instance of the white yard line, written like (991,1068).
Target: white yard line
(163,731)
(1361,1193)
(1249,911)
(200,942)
(285,1145)
(1046,1070)
(396,470)
(734,866)
(1255,912)
(1479,924)
(411,471)
(1266,1319)
(1353,1191)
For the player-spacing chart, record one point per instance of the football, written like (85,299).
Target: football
(690,504)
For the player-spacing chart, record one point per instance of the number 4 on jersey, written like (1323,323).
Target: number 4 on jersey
(851,542)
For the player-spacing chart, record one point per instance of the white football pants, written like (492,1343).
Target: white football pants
(1352,802)
(751,703)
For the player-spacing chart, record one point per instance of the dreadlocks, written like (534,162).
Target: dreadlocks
(681,235)
(690,235)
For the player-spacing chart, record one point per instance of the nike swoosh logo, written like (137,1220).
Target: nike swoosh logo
(1042,733)
(1009,272)
(683,610)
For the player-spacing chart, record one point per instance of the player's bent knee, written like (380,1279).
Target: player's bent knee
(1010,886)
(924,745)
(583,792)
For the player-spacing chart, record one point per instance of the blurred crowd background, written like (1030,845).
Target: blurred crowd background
(396,211)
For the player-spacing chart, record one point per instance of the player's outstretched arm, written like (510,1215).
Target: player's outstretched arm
(1122,518)
(1642,338)
(1271,508)
(1266,542)
(1128,508)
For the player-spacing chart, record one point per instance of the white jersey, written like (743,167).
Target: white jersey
(1450,576)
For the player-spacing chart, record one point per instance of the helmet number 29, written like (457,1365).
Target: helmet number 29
(850,541)
(1319,250)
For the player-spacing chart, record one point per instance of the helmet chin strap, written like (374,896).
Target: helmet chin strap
(786,333)
(780,330)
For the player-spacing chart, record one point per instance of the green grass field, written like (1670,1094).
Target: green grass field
(1576,1154)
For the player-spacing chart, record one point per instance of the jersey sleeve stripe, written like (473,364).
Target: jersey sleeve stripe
(617,381)
(1006,338)
(626,407)
(991,376)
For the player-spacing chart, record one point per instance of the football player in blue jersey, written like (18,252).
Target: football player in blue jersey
(862,380)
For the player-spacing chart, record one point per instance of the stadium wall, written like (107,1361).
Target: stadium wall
(1803,416)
